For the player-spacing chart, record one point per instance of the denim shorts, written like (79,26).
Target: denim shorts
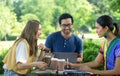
(11,73)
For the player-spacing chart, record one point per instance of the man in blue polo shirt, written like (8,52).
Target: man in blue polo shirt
(65,40)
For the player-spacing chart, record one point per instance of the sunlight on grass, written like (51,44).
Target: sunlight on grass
(92,36)
(1,74)
(7,44)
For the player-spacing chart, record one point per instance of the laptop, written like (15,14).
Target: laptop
(72,57)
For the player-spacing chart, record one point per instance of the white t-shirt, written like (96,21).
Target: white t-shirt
(21,53)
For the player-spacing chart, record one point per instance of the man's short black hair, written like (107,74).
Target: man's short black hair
(65,16)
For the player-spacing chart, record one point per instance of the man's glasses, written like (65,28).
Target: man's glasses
(66,25)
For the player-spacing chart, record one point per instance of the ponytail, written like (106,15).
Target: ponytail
(116,30)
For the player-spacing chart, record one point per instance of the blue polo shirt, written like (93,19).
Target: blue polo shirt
(57,43)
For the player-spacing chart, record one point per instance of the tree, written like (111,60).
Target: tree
(43,9)
(26,17)
(7,20)
(81,10)
(115,7)
(111,8)
(114,4)
(17,8)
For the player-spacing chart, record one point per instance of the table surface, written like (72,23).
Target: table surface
(65,72)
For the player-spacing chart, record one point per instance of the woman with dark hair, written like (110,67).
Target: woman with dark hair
(109,52)
(21,56)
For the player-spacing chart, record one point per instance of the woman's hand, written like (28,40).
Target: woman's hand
(85,68)
(70,65)
(41,46)
(41,65)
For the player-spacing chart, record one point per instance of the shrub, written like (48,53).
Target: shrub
(1,65)
(90,52)
(2,55)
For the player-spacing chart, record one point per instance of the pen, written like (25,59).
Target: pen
(67,63)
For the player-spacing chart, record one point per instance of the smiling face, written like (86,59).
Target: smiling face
(39,32)
(100,30)
(66,26)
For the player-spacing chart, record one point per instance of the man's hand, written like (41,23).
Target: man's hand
(79,59)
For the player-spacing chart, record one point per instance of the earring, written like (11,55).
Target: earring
(105,35)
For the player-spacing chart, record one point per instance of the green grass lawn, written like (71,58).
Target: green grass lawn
(7,44)
(1,74)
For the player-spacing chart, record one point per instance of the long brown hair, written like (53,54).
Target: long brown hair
(29,33)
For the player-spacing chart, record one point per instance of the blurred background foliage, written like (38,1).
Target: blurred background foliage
(15,13)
